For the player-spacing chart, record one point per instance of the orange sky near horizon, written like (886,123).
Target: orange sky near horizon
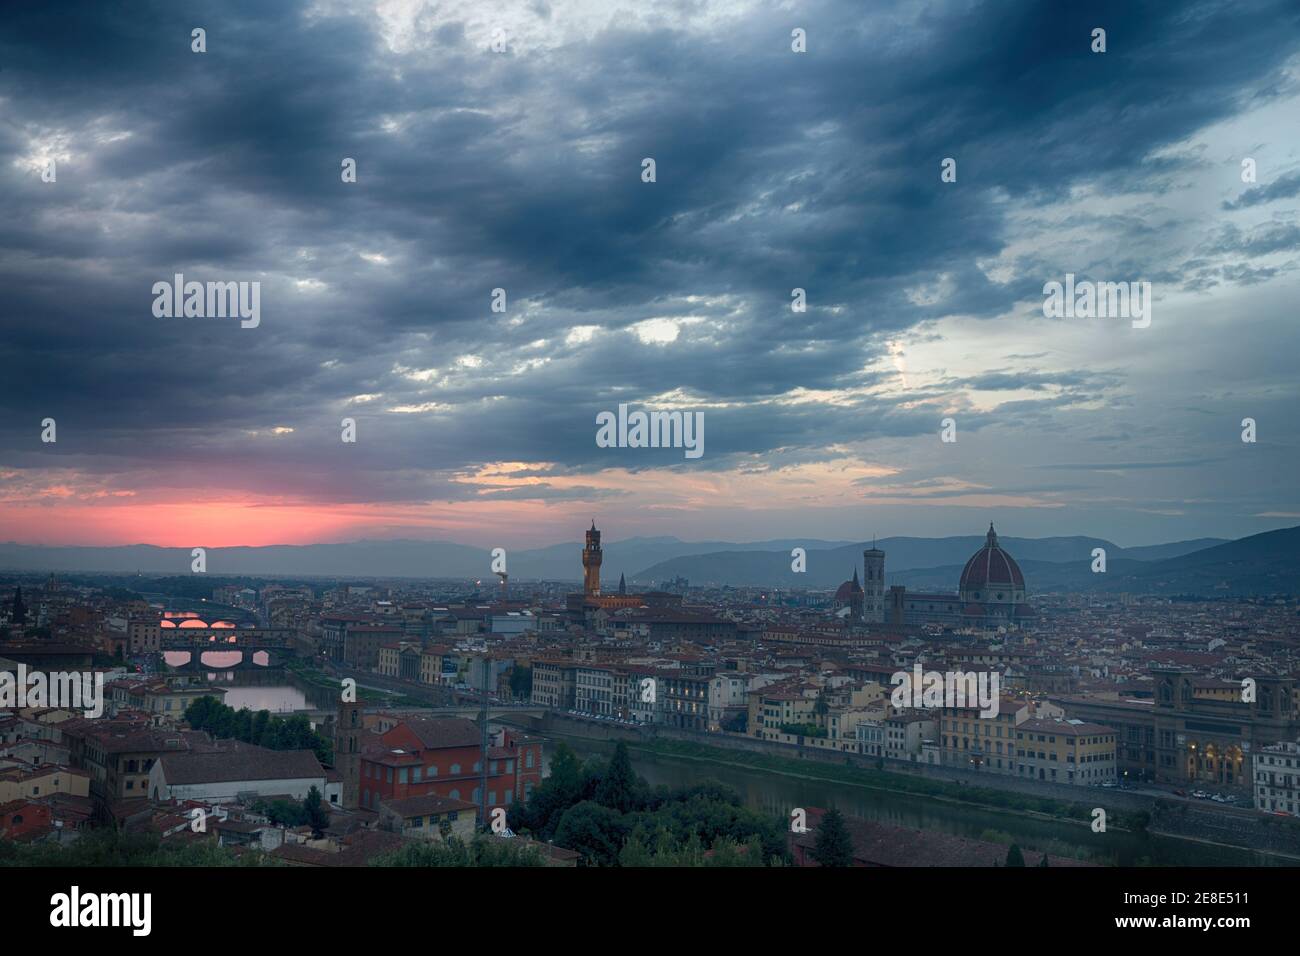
(224,524)
(500,505)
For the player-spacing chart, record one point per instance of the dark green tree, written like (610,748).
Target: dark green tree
(521,682)
(261,720)
(284,813)
(317,816)
(821,708)
(619,787)
(566,785)
(596,832)
(481,851)
(834,845)
(243,724)
(1014,856)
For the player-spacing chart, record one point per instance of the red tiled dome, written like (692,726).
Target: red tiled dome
(990,566)
(847,590)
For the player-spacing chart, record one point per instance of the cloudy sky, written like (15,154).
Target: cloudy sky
(521,170)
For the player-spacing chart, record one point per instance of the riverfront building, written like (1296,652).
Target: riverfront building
(1277,778)
(1189,734)
(1065,751)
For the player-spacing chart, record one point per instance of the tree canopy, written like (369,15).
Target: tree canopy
(612,817)
(273,733)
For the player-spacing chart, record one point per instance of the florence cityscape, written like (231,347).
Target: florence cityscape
(358,511)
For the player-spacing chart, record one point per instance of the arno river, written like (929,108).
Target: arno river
(777,794)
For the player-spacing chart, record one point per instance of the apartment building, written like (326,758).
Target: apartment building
(1277,778)
(1065,751)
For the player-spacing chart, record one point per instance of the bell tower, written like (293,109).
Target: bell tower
(873,585)
(347,751)
(591,558)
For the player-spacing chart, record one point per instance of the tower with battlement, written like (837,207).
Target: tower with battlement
(591,558)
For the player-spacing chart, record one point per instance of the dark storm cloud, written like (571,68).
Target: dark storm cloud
(1284,187)
(522,171)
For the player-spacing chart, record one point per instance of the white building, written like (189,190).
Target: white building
(1277,778)
(871,738)
(594,689)
(227,776)
(904,733)
(729,695)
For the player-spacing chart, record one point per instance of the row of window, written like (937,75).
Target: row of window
(418,774)
(1069,758)
(1279,761)
(1083,741)
(432,771)
(436,818)
(1276,779)
(974,727)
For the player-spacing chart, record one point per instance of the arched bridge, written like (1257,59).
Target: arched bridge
(183,655)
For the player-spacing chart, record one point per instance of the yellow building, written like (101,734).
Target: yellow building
(774,707)
(982,743)
(27,783)
(1065,751)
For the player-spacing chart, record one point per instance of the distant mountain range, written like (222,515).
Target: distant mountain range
(1267,563)
(914,562)
(387,558)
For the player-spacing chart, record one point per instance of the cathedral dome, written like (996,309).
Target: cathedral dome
(991,569)
(848,591)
